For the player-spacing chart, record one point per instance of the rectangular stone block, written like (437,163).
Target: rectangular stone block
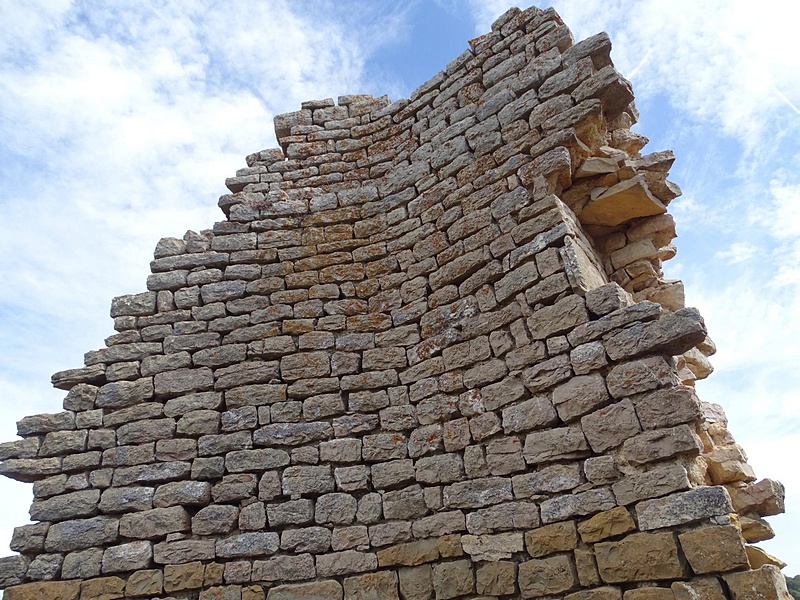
(639,557)
(659,444)
(714,549)
(549,539)
(766,583)
(547,577)
(683,507)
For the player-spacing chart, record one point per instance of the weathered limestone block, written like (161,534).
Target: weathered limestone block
(155,523)
(656,445)
(183,551)
(701,587)
(611,426)
(248,544)
(477,493)
(373,586)
(317,590)
(580,395)
(503,517)
(766,582)
(345,563)
(492,547)
(127,557)
(639,557)
(183,577)
(547,577)
(66,506)
(555,444)
(714,549)
(683,507)
(627,200)
(581,504)
(13,569)
(549,539)
(80,534)
(638,376)
(453,579)
(658,481)
(672,334)
(145,583)
(46,590)
(614,522)
(764,498)
(496,578)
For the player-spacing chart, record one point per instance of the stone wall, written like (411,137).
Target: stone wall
(430,353)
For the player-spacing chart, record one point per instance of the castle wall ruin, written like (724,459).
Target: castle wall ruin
(429,353)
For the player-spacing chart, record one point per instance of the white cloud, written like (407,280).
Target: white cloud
(738,252)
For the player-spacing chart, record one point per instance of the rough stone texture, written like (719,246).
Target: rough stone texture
(639,557)
(714,549)
(429,352)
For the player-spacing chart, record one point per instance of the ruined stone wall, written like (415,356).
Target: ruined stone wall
(430,353)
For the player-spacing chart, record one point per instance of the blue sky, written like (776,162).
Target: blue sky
(120,121)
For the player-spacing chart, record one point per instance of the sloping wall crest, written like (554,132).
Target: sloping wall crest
(430,353)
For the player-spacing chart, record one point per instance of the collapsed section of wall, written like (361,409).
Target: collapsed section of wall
(430,353)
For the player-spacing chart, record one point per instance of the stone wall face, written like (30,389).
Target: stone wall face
(430,353)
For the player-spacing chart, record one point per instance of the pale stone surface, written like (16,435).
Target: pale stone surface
(610,523)
(492,547)
(547,577)
(639,557)
(714,549)
(683,507)
(625,201)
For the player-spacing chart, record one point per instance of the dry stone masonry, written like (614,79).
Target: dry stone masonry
(429,353)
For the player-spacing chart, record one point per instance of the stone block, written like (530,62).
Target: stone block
(766,583)
(639,557)
(547,577)
(607,524)
(103,588)
(127,557)
(409,554)
(641,375)
(416,583)
(577,505)
(714,549)
(80,534)
(145,583)
(493,547)
(580,395)
(453,579)
(284,568)
(154,523)
(478,493)
(660,444)
(706,588)
(555,444)
(372,586)
(629,199)
(550,539)
(261,543)
(610,426)
(317,590)
(683,507)
(345,563)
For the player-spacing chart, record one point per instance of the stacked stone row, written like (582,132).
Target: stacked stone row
(404,367)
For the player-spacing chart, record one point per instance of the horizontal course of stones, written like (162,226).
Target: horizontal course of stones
(429,354)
